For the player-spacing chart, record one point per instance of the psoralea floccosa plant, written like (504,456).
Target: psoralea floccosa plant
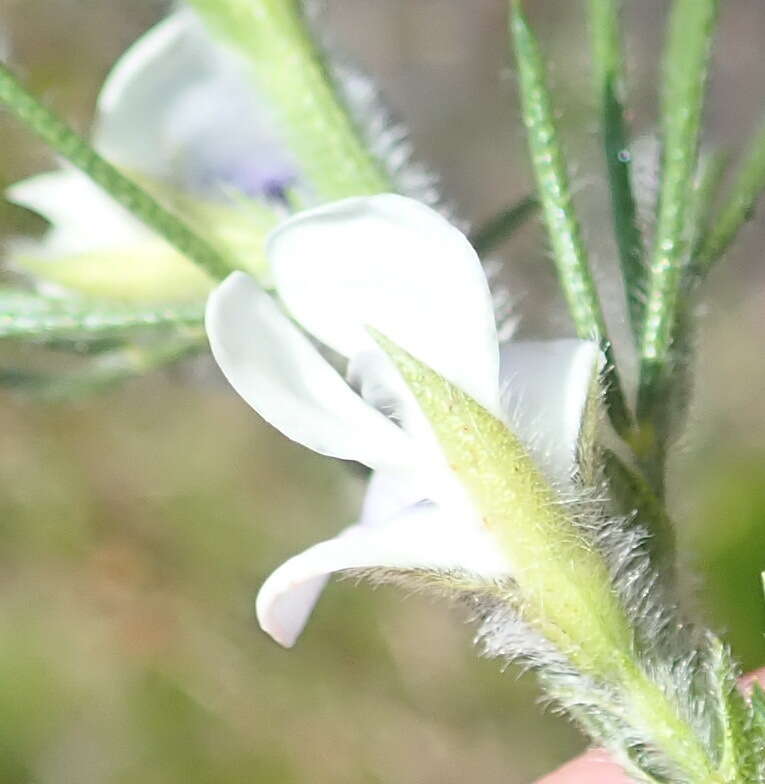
(525,480)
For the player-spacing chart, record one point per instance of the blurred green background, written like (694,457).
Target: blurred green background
(136,526)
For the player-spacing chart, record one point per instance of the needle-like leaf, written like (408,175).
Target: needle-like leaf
(27,315)
(738,207)
(554,192)
(102,372)
(686,61)
(608,64)
(498,229)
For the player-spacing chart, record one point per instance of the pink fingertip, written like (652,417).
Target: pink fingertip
(593,767)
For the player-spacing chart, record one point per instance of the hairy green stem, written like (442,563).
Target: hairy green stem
(554,192)
(69,144)
(691,26)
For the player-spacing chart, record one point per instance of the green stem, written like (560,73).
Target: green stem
(554,191)
(274,40)
(686,62)
(609,78)
(56,133)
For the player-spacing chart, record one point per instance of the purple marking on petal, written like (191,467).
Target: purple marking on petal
(184,110)
(227,141)
(269,178)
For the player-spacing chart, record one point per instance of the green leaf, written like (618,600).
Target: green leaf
(608,61)
(758,704)
(19,379)
(274,39)
(498,229)
(27,315)
(686,60)
(554,191)
(738,761)
(738,208)
(672,388)
(709,179)
(103,372)
(758,726)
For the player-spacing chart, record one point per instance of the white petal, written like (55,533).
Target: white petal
(273,366)
(421,537)
(387,495)
(180,107)
(396,265)
(83,217)
(145,81)
(283,611)
(545,387)
(378,381)
(430,476)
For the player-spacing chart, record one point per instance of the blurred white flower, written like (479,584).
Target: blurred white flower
(393,264)
(181,108)
(180,112)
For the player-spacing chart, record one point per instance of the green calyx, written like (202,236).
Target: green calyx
(564,583)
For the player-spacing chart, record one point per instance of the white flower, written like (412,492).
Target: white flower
(392,264)
(181,108)
(179,111)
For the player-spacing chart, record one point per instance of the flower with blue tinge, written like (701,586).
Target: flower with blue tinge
(179,112)
(182,109)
